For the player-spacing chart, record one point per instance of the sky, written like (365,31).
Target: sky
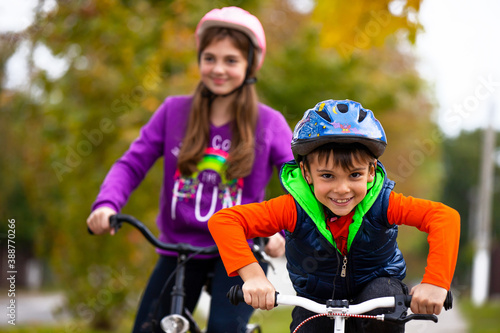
(459,55)
(458,52)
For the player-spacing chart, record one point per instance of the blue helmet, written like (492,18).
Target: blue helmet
(342,121)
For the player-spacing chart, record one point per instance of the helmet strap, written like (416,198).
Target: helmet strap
(250,57)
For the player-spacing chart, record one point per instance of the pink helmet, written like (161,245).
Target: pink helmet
(239,19)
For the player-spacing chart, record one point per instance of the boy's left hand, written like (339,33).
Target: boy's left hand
(427,298)
(276,246)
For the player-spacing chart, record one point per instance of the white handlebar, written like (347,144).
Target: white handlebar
(381,302)
(341,308)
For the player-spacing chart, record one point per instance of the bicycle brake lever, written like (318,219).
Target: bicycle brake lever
(262,256)
(401,309)
(419,316)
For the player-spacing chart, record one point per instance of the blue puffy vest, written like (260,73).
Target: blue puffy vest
(315,265)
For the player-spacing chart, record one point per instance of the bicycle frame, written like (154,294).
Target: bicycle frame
(179,320)
(176,322)
(340,310)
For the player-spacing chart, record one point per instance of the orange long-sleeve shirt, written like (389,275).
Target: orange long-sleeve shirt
(231,228)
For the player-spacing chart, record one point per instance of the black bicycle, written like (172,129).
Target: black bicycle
(180,319)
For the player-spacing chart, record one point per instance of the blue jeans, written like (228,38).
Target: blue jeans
(224,317)
(379,287)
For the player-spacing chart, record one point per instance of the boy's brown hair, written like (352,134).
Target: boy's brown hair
(343,155)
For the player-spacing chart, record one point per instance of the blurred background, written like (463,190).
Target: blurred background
(79,79)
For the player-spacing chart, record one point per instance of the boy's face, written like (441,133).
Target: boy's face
(337,188)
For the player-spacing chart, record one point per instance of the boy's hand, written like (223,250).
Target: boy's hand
(276,246)
(258,291)
(98,221)
(427,298)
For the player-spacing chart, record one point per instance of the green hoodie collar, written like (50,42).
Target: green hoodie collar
(295,184)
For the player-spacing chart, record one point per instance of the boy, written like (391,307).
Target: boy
(341,221)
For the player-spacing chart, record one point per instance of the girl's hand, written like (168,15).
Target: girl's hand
(276,246)
(259,293)
(427,298)
(98,221)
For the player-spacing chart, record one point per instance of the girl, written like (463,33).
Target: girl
(219,147)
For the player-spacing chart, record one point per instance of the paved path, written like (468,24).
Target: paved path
(31,307)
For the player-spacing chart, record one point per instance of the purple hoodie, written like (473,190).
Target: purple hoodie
(186,203)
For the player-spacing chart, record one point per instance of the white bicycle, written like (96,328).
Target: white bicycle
(340,310)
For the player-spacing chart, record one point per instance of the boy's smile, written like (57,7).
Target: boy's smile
(337,188)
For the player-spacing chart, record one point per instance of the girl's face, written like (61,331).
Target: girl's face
(222,66)
(338,189)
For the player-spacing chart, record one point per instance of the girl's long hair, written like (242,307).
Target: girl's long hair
(244,108)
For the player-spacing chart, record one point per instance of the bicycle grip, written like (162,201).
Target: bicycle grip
(235,295)
(113,223)
(448,302)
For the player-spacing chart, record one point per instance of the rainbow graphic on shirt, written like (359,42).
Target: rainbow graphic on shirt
(209,183)
(214,159)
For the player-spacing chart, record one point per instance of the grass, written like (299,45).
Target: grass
(483,319)
(275,321)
